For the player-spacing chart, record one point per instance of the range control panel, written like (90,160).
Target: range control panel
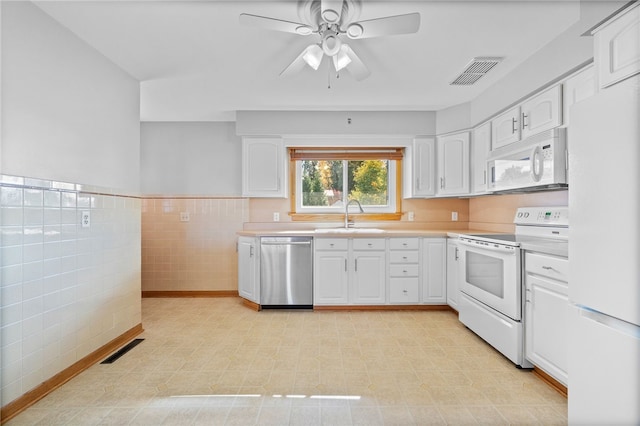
(542,216)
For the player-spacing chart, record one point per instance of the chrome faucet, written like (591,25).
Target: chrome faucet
(346,212)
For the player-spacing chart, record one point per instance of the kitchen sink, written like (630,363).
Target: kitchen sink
(348,230)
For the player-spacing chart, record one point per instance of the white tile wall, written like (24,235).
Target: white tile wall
(65,290)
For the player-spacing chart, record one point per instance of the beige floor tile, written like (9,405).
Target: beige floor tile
(214,362)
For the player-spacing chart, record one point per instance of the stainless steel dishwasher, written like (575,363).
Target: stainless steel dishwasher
(286,272)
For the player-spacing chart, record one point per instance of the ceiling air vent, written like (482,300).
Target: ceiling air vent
(474,70)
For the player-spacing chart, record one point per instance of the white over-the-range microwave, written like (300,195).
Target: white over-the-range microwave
(537,163)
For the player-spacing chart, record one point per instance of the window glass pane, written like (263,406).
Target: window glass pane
(485,272)
(368,182)
(322,183)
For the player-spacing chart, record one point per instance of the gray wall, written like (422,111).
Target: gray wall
(190,158)
(68,113)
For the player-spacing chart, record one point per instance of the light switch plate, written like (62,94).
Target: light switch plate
(411,216)
(276,217)
(454,216)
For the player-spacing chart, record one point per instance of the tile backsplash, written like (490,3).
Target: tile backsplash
(189,244)
(67,290)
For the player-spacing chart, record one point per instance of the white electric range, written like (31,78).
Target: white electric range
(491,285)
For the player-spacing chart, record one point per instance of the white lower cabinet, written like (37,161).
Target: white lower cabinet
(453,274)
(434,270)
(249,268)
(330,271)
(368,275)
(546,311)
(349,271)
(404,270)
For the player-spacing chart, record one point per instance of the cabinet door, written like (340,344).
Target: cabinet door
(424,162)
(263,167)
(576,89)
(505,128)
(453,286)
(617,48)
(368,281)
(481,145)
(453,164)
(248,270)
(330,278)
(546,334)
(434,265)
(542,112)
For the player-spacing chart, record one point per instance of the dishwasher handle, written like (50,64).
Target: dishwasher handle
(285,243)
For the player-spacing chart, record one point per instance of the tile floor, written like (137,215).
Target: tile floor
(215,362)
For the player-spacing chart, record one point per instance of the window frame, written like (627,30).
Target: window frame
(298,213)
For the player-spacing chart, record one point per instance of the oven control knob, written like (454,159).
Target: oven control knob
(526,214)
(520,214)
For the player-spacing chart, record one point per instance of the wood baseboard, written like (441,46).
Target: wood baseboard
(251,305)
(383,308)
(562,389)
(195,293)
(20,404)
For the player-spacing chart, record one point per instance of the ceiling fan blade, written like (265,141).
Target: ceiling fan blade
(275,24)
(356,67)
(312,55)
(331,10)
(390,25)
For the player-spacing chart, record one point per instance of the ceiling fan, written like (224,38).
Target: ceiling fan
(331,20)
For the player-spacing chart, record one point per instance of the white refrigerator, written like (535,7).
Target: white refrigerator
(604,257)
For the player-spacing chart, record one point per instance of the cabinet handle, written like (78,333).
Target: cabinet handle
(484,177)
(418,183)
(514,128)
(404,271)
(250,251)
(456,253)
(356,264)
(345,265)
(441,183)
(404,291)
(524,118)
(548,268)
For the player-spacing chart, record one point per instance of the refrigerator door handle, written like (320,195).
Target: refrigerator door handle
(627,328)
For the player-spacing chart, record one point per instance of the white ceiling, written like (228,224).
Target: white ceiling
(197,63)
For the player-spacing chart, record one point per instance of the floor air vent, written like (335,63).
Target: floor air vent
(113,358)
(474,70)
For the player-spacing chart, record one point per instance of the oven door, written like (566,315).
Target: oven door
(490,273)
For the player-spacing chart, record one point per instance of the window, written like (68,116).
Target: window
(326,179)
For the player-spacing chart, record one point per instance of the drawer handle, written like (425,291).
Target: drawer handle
(331,245)
(404,270)
(404,257)
(370,245)
(405,244)
(548,268)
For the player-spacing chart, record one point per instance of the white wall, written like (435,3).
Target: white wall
(335,123)
(190,158)
(69,114)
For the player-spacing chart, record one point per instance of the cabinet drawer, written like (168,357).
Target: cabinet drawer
(403,290)
(553,267)
(410,270)
(331,243)
(368,244)
(404,243)
(404,257)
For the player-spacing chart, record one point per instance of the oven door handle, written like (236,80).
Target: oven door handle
(488,248)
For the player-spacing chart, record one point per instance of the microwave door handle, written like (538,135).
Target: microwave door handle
(537,165)
(488,248)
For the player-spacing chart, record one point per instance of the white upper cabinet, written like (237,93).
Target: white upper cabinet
(577,88)
(505,128)
(453,164)
(535,115)
(263,171)
(420,173)
(542,112)
(617,47)
(480,147)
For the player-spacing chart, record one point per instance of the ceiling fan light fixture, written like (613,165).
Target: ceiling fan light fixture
(354,30)
(341,60)
(304,30)
(313,56)
(331,43)
(330,16)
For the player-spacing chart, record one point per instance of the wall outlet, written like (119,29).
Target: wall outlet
(454,216)
(86,219)
(276,217)
(184,217)
(411,216)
